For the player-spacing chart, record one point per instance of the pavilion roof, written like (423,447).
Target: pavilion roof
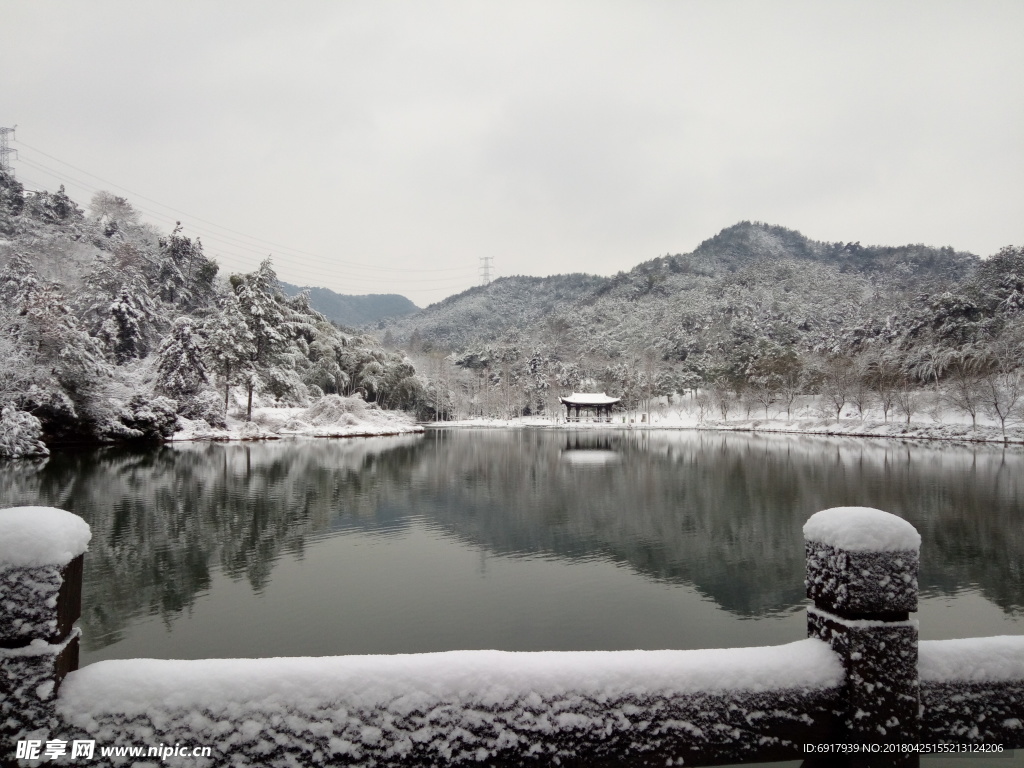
(589,398)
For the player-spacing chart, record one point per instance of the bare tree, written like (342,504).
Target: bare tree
(792,382)
(964,391)
(704,402)
(882,376)
(724,398)
(765,389)
(836,381)
(1003,385)
(1001,394)
(860,392)
(907,397)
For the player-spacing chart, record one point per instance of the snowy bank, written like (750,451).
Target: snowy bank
(330,416)
(960,432)
(460,706)
(856,428)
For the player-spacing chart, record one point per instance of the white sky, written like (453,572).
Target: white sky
(362,144)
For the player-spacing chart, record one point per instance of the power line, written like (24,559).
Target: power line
(256,241)
(228,247)
(242,261)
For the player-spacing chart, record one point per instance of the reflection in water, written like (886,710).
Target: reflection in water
(716,511)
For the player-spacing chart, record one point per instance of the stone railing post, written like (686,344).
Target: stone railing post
(41,551)
(862,576)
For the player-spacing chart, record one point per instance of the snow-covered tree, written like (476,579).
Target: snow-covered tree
(229,342)
(54,207)
(181,369)
(12,202)
(257,294)
(123,332)
(65,361)
(109,207)
(184,275)
(115,304)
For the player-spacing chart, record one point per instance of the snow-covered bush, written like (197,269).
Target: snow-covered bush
(141,418)
(285,385)
(20,434)
(335,409)
(206,405)
(155,418)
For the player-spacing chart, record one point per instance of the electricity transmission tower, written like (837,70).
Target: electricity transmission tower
(485,270)
(5,151)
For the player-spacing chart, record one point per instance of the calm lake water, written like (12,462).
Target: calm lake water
(515,540)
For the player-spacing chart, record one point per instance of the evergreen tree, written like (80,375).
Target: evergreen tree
(12,202)
(185,275)
(181,369)
(65,362)
(264,319)
(123,330)
(229,343)
(54,208)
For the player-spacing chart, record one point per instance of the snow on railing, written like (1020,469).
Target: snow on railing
(857,679)
(41,552)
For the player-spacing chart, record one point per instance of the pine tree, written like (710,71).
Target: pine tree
(263,317)
(185,275)
(123,330)
(181,370)
(229,343)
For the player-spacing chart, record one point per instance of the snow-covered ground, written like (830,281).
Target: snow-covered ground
(330,416)
(931,423)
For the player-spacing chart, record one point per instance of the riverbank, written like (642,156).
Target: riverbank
(958,432)
(331,416)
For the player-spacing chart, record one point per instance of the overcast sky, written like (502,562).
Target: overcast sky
(385,147)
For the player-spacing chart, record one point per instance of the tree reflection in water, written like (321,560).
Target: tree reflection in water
(721,512)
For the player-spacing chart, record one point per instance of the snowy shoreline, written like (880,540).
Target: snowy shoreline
(331,416)
(963,433)
(247,431)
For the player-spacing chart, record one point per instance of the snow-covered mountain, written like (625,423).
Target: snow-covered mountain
(748,269)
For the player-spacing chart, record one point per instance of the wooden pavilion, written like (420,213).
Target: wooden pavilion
(599,405)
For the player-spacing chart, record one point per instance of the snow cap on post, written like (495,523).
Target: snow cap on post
(35,537)
(862,529)
(862,563)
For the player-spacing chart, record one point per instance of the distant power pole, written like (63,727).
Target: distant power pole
(485,270)
(5,151)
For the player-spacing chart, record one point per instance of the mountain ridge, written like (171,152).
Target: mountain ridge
(352,310)
(747,255)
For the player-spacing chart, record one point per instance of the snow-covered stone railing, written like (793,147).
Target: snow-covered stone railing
(41,552)
(862,576)
(855,680)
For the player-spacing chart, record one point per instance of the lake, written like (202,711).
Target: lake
(511,539)
(514,540)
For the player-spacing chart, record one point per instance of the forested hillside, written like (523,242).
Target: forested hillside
(110,329)
(757,313)
(353,311)
(488,313)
